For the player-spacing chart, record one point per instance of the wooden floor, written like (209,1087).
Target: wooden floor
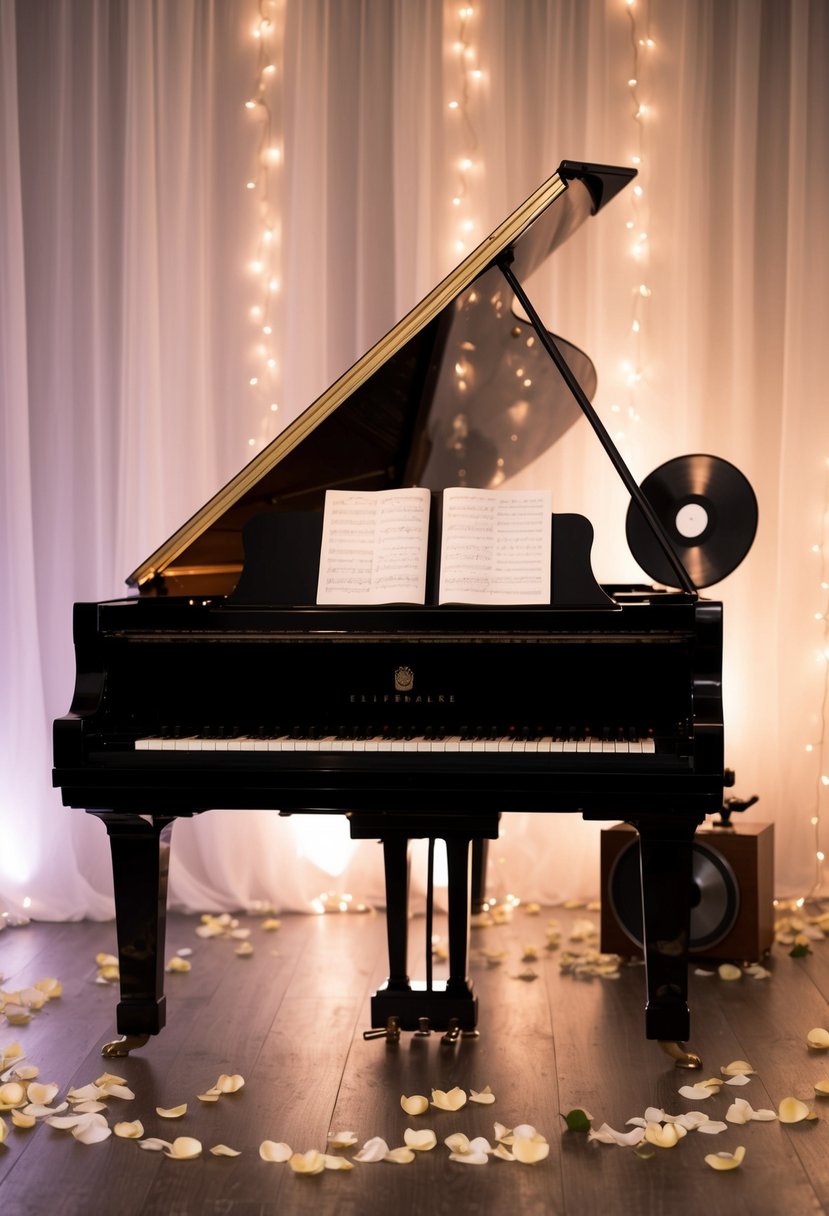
(290,1018)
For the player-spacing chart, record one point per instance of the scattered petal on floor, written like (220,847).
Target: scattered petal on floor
(272,1150)
(726,1161)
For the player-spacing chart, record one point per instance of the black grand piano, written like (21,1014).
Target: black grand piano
(221,683)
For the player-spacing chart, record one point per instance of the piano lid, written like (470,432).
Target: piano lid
(459,392)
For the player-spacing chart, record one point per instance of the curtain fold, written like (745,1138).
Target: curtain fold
(128,342)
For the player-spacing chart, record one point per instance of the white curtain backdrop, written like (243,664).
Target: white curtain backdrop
(127,343)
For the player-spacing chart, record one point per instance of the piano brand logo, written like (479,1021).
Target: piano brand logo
(403,679)
(402,695)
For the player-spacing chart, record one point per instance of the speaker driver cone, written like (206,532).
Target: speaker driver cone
(715,896)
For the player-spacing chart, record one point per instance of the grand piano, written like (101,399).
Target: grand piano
(220,682)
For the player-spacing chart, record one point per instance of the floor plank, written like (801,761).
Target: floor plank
(290,1018)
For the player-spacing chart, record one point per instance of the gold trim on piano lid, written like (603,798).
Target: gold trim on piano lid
(190,571)
(415,320)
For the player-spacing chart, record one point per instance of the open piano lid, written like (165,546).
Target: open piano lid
(459,392)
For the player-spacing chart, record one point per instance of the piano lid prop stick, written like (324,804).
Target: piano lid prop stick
(595,421)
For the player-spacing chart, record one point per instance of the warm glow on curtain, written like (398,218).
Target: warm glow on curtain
(127,342)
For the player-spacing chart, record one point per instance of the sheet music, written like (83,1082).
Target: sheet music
(496,546)
(374,547)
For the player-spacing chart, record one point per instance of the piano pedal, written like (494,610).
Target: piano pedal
(423,1029)
(390,1032)
(681,1058)
(123,1046)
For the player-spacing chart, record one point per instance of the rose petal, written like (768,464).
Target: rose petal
(109,1078)
(311,1162)
(84,1093)
(271,1150)
(12,1094)
(691,1120)
(727,971)
(818,1038)
(222,1150)
(25,1074)
(91,1133)
(530,1151)
(342,1139)
(503,1152)
(470,1158)
(417,1104)
(454,1099)
(712,1127)
(21,1120)
(485,1097)
(698,1092)
(792,1110)
(177,964)
(129,1131)
(741,1079)
(374,1149)
(171,1112)
(739,1111)
(336,1163)
(400,1156)
(664,1137)
(421,1141)
(185,1148)
(822,1087)
(40,1112)
(153,1144)
(726,1161)
(229,1085)
(457,1142)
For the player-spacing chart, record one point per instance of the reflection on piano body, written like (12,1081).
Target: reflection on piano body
(222,684)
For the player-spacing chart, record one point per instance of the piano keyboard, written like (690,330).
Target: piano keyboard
(449,743)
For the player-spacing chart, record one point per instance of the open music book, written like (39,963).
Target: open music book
(494,548)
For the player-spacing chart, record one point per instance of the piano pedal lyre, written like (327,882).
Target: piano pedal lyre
(123,1046)
(390,1032)
(680,1057)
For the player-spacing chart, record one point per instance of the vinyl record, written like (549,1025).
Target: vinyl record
(709,512)
(715,896)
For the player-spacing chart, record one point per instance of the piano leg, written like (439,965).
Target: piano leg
(459,867)
(480,849)
(140,859)
(396,861)
(665,853)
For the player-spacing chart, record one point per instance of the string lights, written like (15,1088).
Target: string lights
(468,162)
(816,749)
(265,264)
(636,224)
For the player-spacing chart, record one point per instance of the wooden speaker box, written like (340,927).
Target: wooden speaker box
(732,899)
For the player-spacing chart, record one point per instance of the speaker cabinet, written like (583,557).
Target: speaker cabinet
(732,896)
